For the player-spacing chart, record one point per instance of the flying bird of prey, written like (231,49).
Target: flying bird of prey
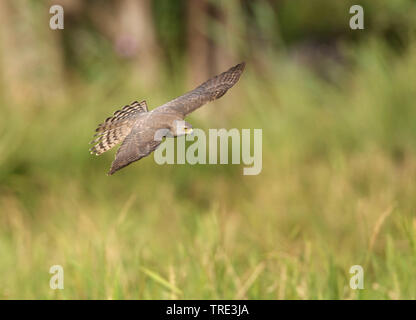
(135,126)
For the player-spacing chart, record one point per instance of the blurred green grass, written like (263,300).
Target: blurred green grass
(337,189)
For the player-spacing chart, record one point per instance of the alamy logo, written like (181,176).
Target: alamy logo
(57,20)
(57,280)
(357,20)
(196,153)
(357,280)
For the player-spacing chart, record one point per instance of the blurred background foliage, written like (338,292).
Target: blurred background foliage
(337,109)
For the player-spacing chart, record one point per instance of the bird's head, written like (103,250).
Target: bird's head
(181,128)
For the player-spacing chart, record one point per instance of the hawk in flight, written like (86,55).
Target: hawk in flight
(136,126)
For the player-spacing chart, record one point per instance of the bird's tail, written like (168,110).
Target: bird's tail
(115,128)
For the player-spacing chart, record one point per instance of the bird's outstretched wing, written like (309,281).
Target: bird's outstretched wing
(135,146)
(210,90)
(115,128)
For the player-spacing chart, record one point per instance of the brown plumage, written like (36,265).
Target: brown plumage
(136,126)
(114,129)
